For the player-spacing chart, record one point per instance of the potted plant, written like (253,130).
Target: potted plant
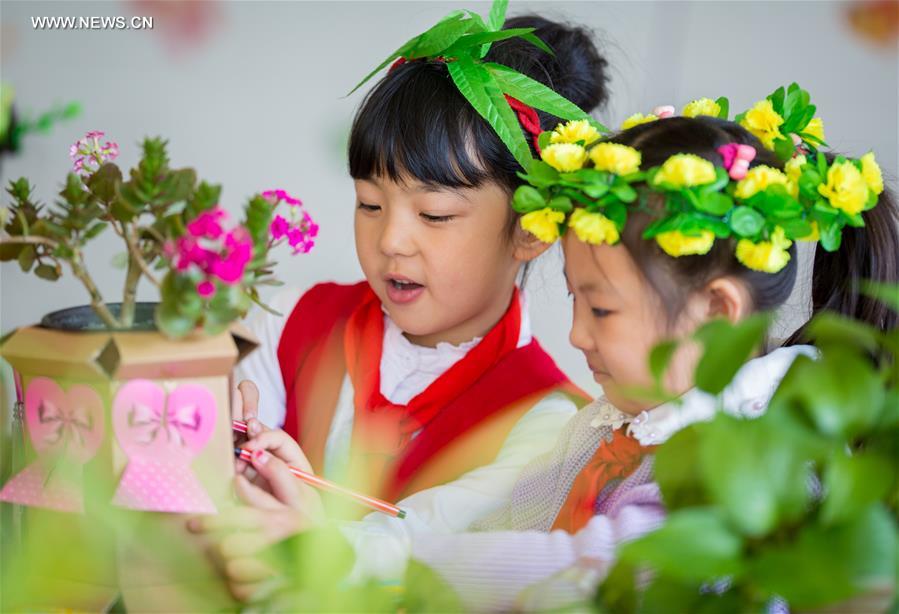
(126,405)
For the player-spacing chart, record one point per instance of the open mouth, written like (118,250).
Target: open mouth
(403,290)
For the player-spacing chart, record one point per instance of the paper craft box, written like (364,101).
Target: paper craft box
(128,434)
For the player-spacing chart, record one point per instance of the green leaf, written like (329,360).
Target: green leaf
(169,320)
(95,230)
(853,557)
(830,329)
(497,16)
(693,544)
(178,186)
(715,203)
(479,89)
(624,192)
(527,199)
(724,104)
(839,394)
(660,357)
(537,95)
(727,347)
(784,148)
(885,293)
(26,258)
(479,38)
(746,221)
(675,468)
(439,37)
(852,483)
(104,183)
(796,228)
(47,271)
(561,203)
(427,591)
(756,470)
(831,235)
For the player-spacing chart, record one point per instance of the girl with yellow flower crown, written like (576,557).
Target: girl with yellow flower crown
(555,536)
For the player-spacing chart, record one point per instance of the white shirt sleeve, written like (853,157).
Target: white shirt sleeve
(532,570)
(261,366)
(382,543)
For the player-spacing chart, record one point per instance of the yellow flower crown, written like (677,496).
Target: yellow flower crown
(589,186)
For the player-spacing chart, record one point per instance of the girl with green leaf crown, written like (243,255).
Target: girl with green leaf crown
(424,383)
(671,228)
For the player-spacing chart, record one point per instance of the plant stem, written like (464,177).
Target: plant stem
(132,278)
(97,302)
(29,240)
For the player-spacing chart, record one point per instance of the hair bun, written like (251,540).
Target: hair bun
(577,71)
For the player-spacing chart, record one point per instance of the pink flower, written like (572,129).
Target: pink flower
(88,154)
(238,251)
(663,111)
(279,227)
(208,223)
(206,288)
(278,196)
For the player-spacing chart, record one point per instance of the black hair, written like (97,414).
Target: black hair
(415,123)
(866,253)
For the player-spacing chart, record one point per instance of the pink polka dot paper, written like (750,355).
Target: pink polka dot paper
(161,434)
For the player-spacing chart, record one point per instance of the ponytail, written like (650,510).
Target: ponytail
(869,253)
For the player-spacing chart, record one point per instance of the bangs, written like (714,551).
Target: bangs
(416,125)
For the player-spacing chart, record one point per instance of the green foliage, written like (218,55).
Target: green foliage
(801,503)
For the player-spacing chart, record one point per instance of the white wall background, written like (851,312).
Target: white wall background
(260,103)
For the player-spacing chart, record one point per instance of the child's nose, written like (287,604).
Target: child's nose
(579,336)
(396,238)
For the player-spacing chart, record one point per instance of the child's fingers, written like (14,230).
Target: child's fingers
(246,570)
(254,496)
(244,592)
(249,395)
(284,484)
(242,544)
(282,445)
(236,518)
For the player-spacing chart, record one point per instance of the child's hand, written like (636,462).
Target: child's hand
(246,408)
(242,533)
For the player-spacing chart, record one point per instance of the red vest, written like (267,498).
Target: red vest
(468,431)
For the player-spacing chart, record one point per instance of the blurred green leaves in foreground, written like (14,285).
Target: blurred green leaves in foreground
(799,505)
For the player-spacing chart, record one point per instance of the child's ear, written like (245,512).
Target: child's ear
(526,246)
(728,297)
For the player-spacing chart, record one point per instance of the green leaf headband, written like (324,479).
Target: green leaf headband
(590,188)
(462,39)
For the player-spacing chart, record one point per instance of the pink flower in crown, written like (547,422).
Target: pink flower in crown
(88,154)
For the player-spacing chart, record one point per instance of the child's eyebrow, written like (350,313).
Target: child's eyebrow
(430,188)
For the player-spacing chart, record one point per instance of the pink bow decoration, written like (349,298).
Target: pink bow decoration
(737,158)
(663,111)
(66,430)
(161,433)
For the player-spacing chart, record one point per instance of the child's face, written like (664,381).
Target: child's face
(439,260)
(618,318)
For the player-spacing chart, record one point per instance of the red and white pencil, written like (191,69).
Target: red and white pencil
(313,480)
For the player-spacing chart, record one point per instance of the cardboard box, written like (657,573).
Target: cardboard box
(158,441)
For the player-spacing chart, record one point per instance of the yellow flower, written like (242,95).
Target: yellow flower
(564,157)
(685,170)
(636,119)
(766,256)
(593,228)
(574,131)
(794,171)
(814,235)
(616,158)
(871,173)
(764,122)
(703,106)
(758,179)
(675,243)
(815,128)
(846,188)
(543,223)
